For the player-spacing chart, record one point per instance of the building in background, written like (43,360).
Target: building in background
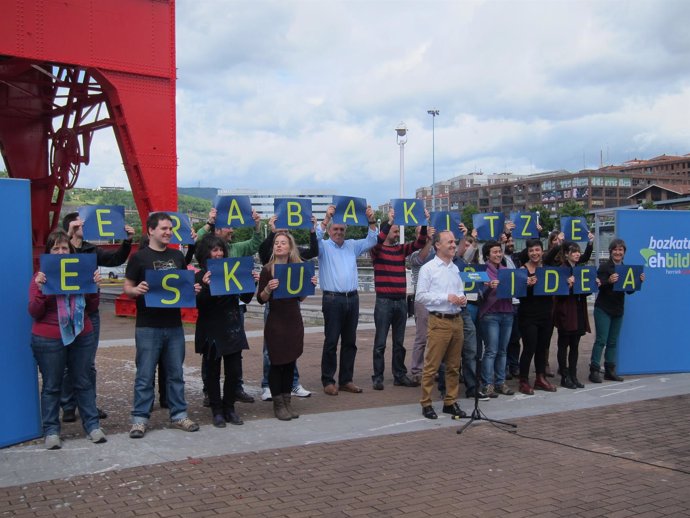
(606,187)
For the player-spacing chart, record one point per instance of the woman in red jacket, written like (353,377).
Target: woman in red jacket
(62,336)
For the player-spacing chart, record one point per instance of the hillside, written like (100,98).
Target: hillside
(77,197)
(205,193)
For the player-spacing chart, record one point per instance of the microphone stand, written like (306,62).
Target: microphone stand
(477,414)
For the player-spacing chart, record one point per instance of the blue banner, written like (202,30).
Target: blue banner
(69,274)
(292,213)
(628,277)
(103,222)
(170,289)
(408,212)
(350,211)
(654,323)
(525,225)
(512,283)
(489,225)
(231,275)
(575,228)
(473,277)
(233,212)
(552,281)
(294,280)
(19,399)
(443,221)
(585,280)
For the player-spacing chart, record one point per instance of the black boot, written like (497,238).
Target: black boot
(610,372)
(594,374)
(573,378)
(566,381)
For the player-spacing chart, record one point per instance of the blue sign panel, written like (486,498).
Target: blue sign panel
(350,211)
(170,289)
(103,222)
(489,225)
(295,280)
(18,373)
(69,274)
(652,336)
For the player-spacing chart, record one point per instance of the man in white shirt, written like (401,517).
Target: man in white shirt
(440,289)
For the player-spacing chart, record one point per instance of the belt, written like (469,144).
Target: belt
(342,293)
(444,315)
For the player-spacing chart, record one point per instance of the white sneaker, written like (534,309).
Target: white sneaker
(266,394)
(53,442)
(300,391)
(97,436)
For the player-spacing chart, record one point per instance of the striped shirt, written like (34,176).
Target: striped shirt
(390,276)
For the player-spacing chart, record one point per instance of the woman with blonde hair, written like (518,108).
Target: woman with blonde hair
(284,329)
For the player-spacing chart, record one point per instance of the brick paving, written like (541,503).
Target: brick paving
(638,465)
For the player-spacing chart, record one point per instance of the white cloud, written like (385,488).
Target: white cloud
(307,94)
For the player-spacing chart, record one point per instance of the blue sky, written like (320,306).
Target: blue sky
(307,94)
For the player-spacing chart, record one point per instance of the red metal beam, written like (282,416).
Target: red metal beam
(128,47)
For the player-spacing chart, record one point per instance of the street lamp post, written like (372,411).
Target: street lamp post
(401,132)
(434,112)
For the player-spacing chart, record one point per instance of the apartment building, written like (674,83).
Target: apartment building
(609,186)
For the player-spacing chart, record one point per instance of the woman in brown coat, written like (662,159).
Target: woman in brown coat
(571,319)
(284,329)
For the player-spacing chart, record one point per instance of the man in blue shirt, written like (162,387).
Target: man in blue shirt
(340,306)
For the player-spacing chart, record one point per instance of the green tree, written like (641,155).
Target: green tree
(648,205)
(571,208)
(466,215)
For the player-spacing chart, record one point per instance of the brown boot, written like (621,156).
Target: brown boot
(524,387)
(280,410)
(541,383)
(287,398)
(610,372)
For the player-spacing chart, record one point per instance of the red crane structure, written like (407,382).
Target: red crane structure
(69,68)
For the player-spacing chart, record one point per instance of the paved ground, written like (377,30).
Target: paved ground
(607,450)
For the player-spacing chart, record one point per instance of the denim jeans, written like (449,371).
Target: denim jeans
(496,329)
(608,329)
(267,361)
(153,343)
(389,313)
(53,358)
(340,317)
(473,310)
(68,401)
(469,353)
